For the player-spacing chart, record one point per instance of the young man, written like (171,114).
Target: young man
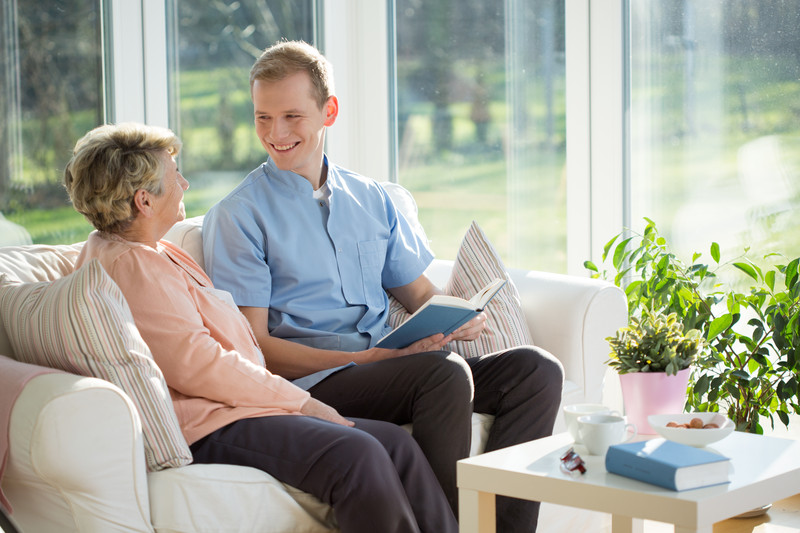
(309,249)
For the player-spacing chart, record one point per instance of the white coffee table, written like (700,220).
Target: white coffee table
(766,469)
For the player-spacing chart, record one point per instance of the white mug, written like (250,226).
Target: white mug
(576,410)
(599,431)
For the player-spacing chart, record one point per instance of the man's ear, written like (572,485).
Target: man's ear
(143,202)
(331,110)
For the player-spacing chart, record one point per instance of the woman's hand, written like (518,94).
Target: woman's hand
(317,409)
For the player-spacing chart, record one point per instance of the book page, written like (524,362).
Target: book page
(449,301)
(483,296)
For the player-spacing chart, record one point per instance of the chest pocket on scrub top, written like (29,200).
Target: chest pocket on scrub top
(371,257)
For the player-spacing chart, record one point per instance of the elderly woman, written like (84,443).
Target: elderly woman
(124,180)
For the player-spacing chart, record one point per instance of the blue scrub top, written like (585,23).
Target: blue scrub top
(320,267)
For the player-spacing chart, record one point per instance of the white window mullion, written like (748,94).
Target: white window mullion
(579,155)
(357,45)
(596,111)
(608,116)
(156,86)
(126,62)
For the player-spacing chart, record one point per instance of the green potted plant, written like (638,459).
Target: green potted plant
(750,368)
(653,356)
(654,342)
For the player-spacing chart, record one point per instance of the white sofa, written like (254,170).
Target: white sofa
(76,460)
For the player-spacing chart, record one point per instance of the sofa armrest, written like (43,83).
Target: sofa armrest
(570,316)
(76,449)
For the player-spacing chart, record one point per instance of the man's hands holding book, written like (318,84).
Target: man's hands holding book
(471,330)
(446,314)
(468,332)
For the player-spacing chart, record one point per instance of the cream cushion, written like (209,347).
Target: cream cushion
(478,263)
(35,263)
(81,324)
(209,498)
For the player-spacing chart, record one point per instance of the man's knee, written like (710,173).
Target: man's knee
(449,373)
(539,368)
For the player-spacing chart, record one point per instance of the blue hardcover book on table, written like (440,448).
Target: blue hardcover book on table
(440,314)
(668,464)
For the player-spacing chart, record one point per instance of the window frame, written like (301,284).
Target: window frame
(356,40)
(136,61)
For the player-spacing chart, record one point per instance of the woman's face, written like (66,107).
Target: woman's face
(169,206)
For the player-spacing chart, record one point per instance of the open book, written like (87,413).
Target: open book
(440,314)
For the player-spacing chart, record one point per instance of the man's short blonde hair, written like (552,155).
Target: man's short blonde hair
(109,164)
(289,57)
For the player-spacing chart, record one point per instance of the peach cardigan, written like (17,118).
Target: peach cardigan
(204,346)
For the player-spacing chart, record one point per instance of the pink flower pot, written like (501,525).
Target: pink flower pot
(652,393)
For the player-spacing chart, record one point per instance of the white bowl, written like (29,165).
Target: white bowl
(693,437)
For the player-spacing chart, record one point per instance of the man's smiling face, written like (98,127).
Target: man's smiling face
(290,124)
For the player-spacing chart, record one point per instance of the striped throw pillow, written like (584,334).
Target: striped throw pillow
(477,263)
(81,324)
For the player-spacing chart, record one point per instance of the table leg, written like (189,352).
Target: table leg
(476,511)
(626,524)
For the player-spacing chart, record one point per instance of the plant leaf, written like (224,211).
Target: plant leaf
(633,286)
(792,272)
(701,385)
(719,325)
(747,269)
(619,253)
(608,245)
(769,278)
(715,252)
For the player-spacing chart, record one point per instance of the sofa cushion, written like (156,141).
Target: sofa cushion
(35,263)
(212,498)
(39,262)
(477,263)
(81,324)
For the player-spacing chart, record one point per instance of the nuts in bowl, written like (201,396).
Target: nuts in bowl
(693,429)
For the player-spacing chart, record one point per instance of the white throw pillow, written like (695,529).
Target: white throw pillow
(81,324)
(477,263)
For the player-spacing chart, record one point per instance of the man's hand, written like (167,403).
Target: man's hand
(317,409)
(429,344)
(471,330)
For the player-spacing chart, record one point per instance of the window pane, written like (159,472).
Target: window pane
(715,123)
(217,43)
(481,129)
(51,87)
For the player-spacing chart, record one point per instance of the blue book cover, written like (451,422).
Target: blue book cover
(441,314)
(668,464)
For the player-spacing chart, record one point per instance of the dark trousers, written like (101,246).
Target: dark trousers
(438,392)
(374,475)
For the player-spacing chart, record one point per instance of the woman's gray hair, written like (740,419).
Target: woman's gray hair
(109,164)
